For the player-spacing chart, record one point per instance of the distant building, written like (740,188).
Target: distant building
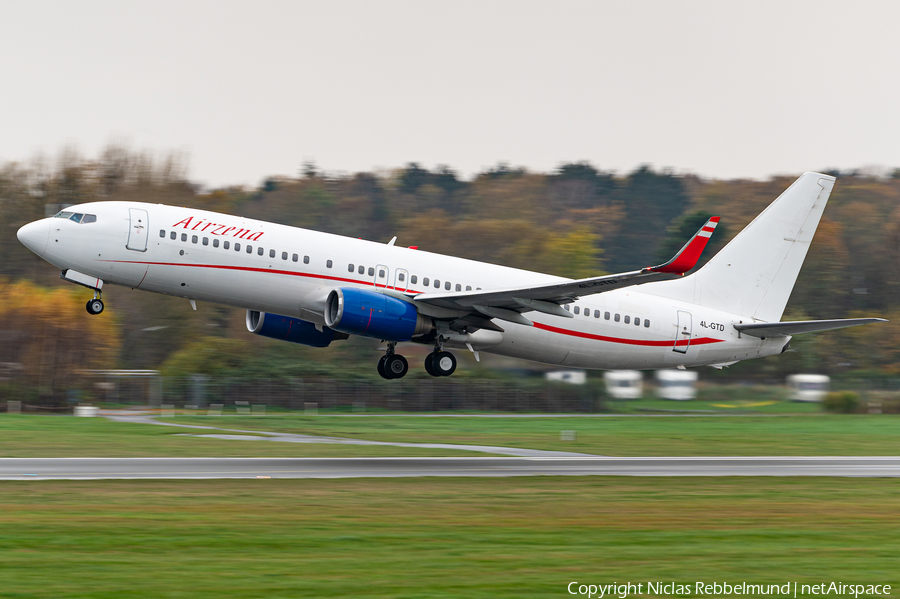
(679,385)
(624,384)
(808,387)
(575,377)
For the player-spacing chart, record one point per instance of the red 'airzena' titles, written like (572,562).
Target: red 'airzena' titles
(214,229)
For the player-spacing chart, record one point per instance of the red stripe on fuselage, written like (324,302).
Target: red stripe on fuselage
(624,340)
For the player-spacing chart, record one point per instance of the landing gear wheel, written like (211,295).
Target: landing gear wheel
(428,367)
(396,366)
(443,363)
(94,306)
(381,369)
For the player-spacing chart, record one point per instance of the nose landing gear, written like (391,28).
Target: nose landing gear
(95,305)
(392,365)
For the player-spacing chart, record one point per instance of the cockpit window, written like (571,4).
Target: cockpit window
(77,217)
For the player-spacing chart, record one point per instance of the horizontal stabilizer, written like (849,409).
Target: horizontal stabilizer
(774,329)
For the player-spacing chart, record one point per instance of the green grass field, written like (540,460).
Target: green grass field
(27,436)
(816,434)
(409,538)
(60,436)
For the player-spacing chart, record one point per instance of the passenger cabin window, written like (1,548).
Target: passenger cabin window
(249,249)
(577,310)
(215,243)
(184,237)
(206,241)
(646,323)
(458,287)
(401,276)
(226,244)
(414,279)
(637,322)
(437,284)
(260,251)
(284,255)
(173,235)
(587,312)
(305,260)
(194,239)
(328,263)
(616,318)
(237,247)
(606,316)
(596,313)
(271,253)
(295,258)
(381,273)
(350,268)
(425,281)
(362,269)
(567,308)
(627,319)
(447,285)
(371,271)
(468,288)
(162,233)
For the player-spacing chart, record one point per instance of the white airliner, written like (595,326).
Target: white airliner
(314,288)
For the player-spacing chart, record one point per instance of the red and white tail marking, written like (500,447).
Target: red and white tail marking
(687,258)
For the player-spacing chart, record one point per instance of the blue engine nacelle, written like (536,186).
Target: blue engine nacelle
(290,329)
(373,314)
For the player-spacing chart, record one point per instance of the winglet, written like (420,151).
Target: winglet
(687,257)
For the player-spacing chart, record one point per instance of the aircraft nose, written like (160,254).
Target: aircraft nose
(34,236)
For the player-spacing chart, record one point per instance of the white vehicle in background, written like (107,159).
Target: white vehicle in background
(573,377)
(679,385)
(808,387)
(624,384)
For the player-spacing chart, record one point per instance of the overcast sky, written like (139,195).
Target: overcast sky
(252,89)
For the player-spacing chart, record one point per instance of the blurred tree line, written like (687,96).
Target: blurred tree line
(576,221)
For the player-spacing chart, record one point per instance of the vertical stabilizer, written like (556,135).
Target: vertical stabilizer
(755,273)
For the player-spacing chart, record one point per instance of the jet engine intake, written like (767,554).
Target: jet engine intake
(290,329)
(371,314)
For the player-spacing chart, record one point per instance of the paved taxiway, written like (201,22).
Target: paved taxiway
(133,468)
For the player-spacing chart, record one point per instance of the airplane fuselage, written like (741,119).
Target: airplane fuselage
(284,270)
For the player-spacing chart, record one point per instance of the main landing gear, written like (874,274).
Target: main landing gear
(392,365)
(440,362)
(95,305)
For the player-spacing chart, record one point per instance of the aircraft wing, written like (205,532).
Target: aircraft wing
(508,304)
(773,329)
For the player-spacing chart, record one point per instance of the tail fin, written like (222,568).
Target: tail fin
(755,273)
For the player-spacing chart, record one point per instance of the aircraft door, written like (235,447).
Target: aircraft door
(683,333)
(401,280)
(382,274)
(137,230)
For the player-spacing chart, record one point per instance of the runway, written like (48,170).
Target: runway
(212,468)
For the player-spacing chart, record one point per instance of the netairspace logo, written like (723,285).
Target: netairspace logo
(788,589)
